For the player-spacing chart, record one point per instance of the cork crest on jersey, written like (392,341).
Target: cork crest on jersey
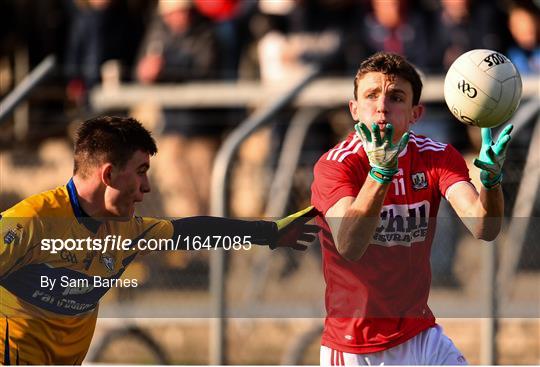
(419,181)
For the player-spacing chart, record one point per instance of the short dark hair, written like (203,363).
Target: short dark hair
(110,139)
(390,64)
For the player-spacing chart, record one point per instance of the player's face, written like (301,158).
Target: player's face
(385,99)
(128,186)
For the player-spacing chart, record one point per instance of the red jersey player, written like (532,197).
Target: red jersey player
(379,193)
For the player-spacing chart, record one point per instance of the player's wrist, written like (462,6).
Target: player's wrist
(492,182)
(383,175)
(274,235)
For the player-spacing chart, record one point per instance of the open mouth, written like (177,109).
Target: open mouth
(381,124)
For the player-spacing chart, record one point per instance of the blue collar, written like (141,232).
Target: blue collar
(82,217)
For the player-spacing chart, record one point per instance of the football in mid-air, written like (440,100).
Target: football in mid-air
(482,88)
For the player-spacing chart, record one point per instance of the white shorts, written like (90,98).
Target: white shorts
(430,347)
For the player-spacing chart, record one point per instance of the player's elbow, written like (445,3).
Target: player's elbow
(488,229)
(487,235)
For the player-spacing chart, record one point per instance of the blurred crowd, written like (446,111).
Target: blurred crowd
(176,41)
(180,40)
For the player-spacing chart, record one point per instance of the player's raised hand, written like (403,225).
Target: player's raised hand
(492,156)
(293,230)
(381,152)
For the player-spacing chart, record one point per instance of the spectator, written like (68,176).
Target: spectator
(95,36)
(524,25)
(181,46)
(85,48)
(393,26)
(459,26)
(230,19)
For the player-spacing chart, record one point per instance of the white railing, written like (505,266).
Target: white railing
(324,92)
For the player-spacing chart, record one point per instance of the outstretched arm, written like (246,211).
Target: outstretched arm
(482,212)
(287,232)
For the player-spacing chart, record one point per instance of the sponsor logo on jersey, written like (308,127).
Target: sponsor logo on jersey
(402,225)
(61,305)
(76,287)
(68,256)
(13,234)
(419,181)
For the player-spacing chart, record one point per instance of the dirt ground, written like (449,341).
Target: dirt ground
(262,341)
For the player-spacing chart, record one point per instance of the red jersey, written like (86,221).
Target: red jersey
(381,300)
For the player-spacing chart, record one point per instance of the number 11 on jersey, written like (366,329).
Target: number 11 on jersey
(399,186)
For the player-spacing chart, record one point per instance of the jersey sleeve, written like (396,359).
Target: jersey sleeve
(154,228)
(203,227)
(452,169)
(335,180)
(20,236)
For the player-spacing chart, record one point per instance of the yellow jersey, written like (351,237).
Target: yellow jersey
(47,317)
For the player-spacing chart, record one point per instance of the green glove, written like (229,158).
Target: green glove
(293,229)
(381,152)
(492,156)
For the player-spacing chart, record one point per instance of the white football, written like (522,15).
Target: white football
(482,88)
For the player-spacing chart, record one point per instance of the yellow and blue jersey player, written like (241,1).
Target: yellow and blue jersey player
(47,317)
